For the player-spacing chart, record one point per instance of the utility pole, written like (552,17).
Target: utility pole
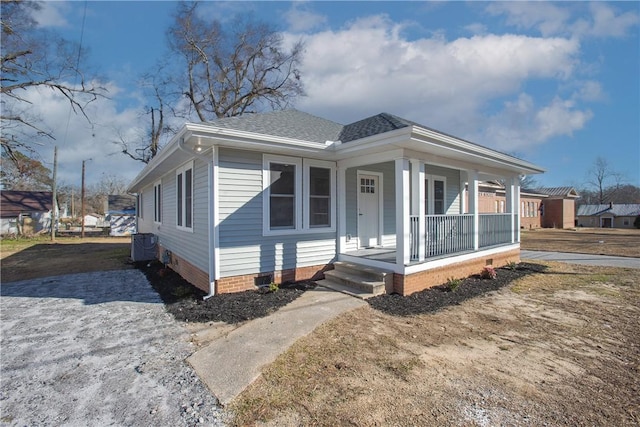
(54,197)
(82,201)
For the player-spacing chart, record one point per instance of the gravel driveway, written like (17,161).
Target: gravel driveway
(96,349)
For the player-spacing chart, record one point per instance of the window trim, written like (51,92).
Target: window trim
(306,180)
(182,204)
(267,159)
(157,202)
(430,202)
(301,193)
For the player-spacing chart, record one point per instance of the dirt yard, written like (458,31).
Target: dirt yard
(39,257)
(560,347)
(599,241)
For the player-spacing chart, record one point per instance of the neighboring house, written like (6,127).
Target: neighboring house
(121,214)
(92,220)
(548,207)
(25,212)
(610,215)
(558,210)
(286,196)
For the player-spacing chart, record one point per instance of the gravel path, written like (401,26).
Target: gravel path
(99,349)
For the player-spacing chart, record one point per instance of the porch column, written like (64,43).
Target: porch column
(341,208)
(463,193)
(513,206)
(403,240)
(418,203)
(473,206)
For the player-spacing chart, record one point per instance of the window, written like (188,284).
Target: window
(282,196)
(184,197)
(319,197)
(299,195)
(436,187)
(140,205)
(157,203)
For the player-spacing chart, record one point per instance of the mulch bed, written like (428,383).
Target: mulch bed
(185,302)
(436,298)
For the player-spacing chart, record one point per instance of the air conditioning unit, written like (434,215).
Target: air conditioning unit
(143,247)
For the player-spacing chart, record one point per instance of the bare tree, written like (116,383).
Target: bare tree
(158,89)
(604,180)
(236,69)
(21,172)
(35,58)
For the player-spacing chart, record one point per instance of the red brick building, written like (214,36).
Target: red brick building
(547,207)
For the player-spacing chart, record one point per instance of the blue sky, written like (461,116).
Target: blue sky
(555,83)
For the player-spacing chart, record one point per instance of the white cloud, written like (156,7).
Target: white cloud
(605,23)
(546,17)
(476,28)
(520,126)
(51,14)
(301,19)
(79,140)
(369,67)
(600,20)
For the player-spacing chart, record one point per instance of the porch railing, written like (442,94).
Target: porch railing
(444,234)
(448,234)
(494,229)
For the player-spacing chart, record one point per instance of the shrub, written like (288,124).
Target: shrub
(488,273)
(453,283)
(273,287)
(511,265)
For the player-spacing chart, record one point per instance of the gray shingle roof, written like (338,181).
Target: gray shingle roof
(286,123)
(121,203)
(374,125)
(614,209)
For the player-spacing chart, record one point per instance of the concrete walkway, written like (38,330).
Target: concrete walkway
(586,259)
(232,362)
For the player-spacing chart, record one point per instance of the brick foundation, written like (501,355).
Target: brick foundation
(406,285)
(188,271)
(225,285)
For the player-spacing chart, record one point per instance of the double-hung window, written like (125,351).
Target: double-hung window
(157,203)
(184,197)
(319,199)
(435,195)
(298,195)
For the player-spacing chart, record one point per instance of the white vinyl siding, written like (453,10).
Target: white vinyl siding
(243,247)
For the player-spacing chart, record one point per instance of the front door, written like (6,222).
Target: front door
(607,223)
(368,210)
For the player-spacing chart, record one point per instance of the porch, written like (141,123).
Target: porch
(445,236)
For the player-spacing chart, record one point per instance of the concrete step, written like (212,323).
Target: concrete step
(355,292)
(363,270)
(363,283)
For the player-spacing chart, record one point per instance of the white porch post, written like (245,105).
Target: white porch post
(403,241)
(342,209)
(513,206)
(463,193)
(417,203)
(473,206)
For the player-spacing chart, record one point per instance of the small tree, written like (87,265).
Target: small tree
(33,58)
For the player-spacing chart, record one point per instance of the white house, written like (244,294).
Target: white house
(288,196)
(25,212)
